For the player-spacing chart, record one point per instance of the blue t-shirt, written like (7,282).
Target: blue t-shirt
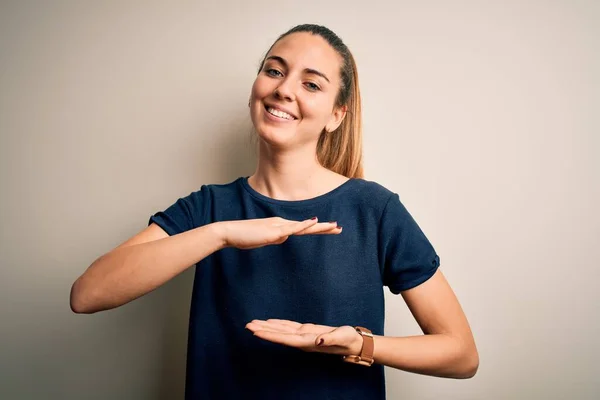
(331,280)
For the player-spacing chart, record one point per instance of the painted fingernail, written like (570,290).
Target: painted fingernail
(320,342)
(313,218)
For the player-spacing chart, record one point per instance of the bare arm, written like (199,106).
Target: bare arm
(151,258)
(447,349)
(140,265)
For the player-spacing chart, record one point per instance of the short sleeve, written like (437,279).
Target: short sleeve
(185,214)
(408,257)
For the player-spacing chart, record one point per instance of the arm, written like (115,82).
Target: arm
(447,349)
(140,265)
(151,258)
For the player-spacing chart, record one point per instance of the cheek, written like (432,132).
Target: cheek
(260,88)
(317,108)
(255,94)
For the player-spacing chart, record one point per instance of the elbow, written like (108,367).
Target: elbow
(79,299)
(86,295)
(470,364)
(471,369)
(76,299)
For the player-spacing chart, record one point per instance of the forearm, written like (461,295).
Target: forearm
(127,273)
(436,354)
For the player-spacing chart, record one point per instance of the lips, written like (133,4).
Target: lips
(281,109)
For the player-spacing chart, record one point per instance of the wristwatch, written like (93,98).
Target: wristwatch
(366,353)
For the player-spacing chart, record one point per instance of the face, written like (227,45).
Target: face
(294,95)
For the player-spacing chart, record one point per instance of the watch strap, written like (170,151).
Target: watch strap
(366,353)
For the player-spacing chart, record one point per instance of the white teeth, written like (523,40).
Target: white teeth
(279,113)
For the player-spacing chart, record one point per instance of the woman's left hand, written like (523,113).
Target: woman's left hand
(309,337)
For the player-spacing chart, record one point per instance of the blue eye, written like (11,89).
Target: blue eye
(273,72)
(312,86)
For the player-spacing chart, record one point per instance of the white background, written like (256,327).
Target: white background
(482,115)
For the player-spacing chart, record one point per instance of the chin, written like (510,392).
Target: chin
(280,134)
(275,137)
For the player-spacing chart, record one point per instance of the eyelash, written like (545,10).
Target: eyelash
(313,87)
(271,70)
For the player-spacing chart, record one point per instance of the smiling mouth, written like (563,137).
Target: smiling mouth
(279,114)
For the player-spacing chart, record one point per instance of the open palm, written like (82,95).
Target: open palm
(308,337)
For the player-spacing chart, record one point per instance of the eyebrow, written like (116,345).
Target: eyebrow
(307,70)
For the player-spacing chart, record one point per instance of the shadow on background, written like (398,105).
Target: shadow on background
(236,157)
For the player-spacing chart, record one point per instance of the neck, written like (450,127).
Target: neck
(291,174)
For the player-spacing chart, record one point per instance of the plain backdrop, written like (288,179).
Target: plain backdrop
(482,115)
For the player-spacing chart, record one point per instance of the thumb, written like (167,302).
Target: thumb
(324,339)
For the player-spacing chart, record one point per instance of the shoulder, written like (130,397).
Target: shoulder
(208,194)
(218,189)
(373,192)
(367,198)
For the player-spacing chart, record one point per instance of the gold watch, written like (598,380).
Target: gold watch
(366,353)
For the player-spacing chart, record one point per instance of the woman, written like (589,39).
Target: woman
(285,306)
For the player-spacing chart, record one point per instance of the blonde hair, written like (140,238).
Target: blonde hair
(339,150)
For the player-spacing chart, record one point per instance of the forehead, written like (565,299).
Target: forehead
(304,50)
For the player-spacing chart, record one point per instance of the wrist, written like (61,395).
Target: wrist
(365,354)
(219,230)
(356,346)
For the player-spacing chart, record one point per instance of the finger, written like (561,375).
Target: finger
(285,322)
(342,336)
(326,339)
(318,228)
(293,228)
(278,221)
(273,331)
(315,329)
(259,325)
(287,339)
(335,230)
(272,326)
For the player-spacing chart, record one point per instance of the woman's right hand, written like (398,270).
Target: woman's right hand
(254,233)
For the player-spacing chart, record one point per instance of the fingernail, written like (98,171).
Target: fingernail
(320,342)
(333,222)
(313,218)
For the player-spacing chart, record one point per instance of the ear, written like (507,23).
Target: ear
(336,118)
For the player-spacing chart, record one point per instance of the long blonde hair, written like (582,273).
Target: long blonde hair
(341,149)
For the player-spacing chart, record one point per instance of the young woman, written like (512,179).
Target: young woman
(288,299)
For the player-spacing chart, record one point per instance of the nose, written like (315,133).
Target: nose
(285,91)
